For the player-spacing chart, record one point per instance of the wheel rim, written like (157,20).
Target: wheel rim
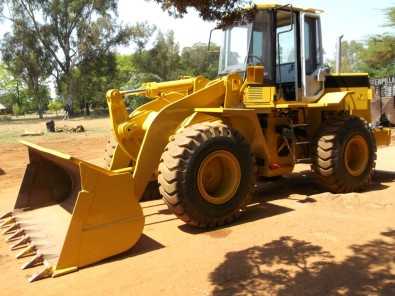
(219,177)
(356,155)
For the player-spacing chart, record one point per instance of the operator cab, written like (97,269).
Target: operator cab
(286,41)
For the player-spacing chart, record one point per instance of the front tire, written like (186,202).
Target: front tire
(206,174)
(344,155)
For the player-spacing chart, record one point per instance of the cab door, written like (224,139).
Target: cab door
(287,54)
(311,56)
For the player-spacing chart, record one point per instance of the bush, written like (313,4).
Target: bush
(55,106)
(17,110)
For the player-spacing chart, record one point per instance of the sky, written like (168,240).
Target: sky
(355,19)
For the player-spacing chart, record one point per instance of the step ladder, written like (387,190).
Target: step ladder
(296,143)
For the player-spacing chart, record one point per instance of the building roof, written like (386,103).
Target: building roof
(277,5)
(2,107)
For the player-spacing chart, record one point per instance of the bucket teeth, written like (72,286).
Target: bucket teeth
(35,261)
(29,251)
(8,221)
(16,235)
(6,215)
(11,228)
(21,243)
(44,273)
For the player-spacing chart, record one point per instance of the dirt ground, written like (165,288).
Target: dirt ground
(294,239)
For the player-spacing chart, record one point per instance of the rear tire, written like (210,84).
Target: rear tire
(206,174)
(344,155)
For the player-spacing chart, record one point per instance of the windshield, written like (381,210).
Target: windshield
(249,44)
(234,49)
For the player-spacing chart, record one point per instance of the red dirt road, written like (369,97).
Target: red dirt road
(293,240)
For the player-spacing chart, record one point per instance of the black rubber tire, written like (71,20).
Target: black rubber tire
(180,163)
(151,191)
(328,155)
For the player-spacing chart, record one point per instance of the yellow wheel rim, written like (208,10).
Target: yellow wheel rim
(219,177)
(356,155)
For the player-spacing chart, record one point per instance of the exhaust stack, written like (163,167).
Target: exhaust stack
(339,55)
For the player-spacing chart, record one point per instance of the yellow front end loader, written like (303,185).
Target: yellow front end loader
(206,143)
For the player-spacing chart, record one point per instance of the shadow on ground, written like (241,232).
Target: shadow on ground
(383,176)
(145,244)
(253,212)
(2,172)
(302,183)
(289,266)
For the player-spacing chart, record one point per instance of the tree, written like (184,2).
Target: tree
(390,13)
(142,34)
(222,11)
(378,57)
(92,79)
(351,56)
(27,60)
(375,56)
(125,69)
(197,60)
(130,78)
(7,81)
(163,60)
(15,94)
(55,106)
(8,88)
(12,91)
(71,32)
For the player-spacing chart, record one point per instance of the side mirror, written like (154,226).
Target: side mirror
(212,47)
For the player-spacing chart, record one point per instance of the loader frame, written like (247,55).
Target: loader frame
(245,105)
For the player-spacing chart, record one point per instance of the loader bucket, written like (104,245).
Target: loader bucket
(70,213)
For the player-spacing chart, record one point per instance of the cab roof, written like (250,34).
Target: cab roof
(263,6)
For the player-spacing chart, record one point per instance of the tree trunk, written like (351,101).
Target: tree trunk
(38,99)
(69,104)
(87,111)
(82,108)
(40,114)
(40,108)
(69,96)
